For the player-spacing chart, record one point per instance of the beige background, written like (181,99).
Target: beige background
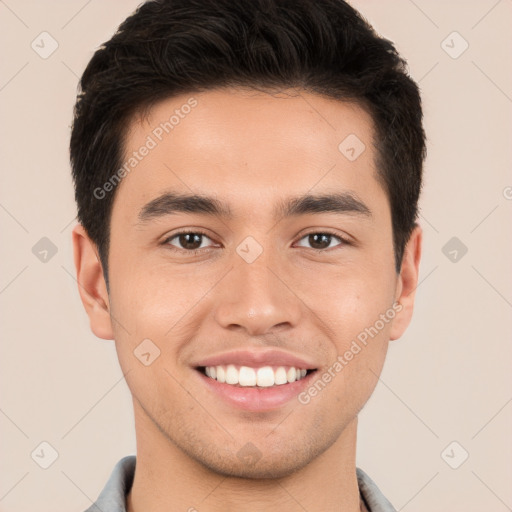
(448,379)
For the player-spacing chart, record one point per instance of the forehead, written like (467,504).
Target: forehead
(244,144)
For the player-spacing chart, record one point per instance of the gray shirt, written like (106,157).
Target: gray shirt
(113,495)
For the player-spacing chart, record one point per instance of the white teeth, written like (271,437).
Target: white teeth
(264,377)
(247,376)
(231,375)
(280,376)
(221,374)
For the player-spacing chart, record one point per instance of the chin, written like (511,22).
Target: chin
(264,468)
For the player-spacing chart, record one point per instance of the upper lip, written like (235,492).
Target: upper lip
(257,358)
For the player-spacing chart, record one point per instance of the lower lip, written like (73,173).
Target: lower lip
(257,399)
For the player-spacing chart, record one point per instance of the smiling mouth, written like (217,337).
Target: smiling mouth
(254,377)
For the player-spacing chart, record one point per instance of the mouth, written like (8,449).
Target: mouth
(254,377)
(256,389)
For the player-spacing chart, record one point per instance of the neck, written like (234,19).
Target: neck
(166,479)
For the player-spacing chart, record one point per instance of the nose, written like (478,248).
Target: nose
(256,298)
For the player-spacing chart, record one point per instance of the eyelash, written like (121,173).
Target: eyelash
(343,240)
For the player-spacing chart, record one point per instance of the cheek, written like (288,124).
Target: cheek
(358,309)
(351,301)
(164,306)
(361,374)
(150,302)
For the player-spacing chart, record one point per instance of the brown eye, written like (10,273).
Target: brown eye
(187,241)
(322,240)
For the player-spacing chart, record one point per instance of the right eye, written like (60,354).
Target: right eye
(188,240)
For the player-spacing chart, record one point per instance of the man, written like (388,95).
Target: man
(247,176)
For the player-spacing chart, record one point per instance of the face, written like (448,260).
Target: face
(283,262)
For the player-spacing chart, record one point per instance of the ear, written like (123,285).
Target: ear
(407,283)
(91,284)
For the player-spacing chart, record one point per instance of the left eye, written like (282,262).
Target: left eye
(321,239)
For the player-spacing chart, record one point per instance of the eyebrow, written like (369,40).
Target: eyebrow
(171,203)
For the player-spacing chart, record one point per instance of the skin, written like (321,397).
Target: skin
(249,149)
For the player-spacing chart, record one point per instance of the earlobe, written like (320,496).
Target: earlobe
(407,283)
(91,284)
